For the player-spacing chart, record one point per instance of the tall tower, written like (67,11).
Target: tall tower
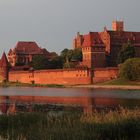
(118,25)
(4,68)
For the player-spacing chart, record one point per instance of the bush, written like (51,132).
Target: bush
(127,51)
(130,69)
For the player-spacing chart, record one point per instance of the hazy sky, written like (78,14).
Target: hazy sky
(54,23)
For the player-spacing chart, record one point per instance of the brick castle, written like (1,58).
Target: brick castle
(99,49)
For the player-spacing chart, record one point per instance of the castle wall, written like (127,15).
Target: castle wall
(105,74)
(60,76)
(3,74)
(65,77)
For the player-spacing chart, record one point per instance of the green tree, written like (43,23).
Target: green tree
(39,62)
(64,54)
(130,69)
(55,63)
(68,56)
(77,54)
(127,51)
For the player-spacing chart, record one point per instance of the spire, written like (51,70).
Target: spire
(105,28)
(3,61)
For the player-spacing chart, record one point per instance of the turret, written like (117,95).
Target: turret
(77,41)
(4,68)
(117,26)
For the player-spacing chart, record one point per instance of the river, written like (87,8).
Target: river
(13,99)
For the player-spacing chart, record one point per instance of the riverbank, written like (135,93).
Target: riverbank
(113,84)
(130,87)
(17,84)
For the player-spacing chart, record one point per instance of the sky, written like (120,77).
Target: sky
(54,23)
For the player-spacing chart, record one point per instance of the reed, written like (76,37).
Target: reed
(122,124)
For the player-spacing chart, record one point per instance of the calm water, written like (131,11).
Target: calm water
(23,98)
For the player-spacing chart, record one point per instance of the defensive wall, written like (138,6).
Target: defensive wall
(64,76)
(105,74)
(59,76)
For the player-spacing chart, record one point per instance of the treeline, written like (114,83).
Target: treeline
(66,59)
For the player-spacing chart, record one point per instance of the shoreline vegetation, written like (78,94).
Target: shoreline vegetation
(121,124)
(18,84)
(112,84)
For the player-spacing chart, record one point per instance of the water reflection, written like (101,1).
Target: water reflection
(69,92)
(14,104)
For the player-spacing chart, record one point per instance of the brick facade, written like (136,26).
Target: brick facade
(23,53)
(57,76)
(64,77)
(101,49)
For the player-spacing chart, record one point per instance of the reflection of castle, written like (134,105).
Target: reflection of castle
(98,47)
(87,104)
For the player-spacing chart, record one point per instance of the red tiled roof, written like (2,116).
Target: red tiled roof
(27,48)
(92,39)
(3,61)
(123,37)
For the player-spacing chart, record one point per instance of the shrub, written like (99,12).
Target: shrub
(127,51)
(130,69)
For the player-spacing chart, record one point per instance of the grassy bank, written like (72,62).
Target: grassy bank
(121,82)
(118,125)
(17,84)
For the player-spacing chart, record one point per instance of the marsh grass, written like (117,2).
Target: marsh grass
(122,124)
(18,84)
(121,81)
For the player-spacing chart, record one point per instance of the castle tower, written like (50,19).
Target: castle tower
(117,25)
(4,67)
(77,41)
(93,51)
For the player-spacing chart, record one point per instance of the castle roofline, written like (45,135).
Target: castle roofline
(123,31)
(92,39)
(27,47)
